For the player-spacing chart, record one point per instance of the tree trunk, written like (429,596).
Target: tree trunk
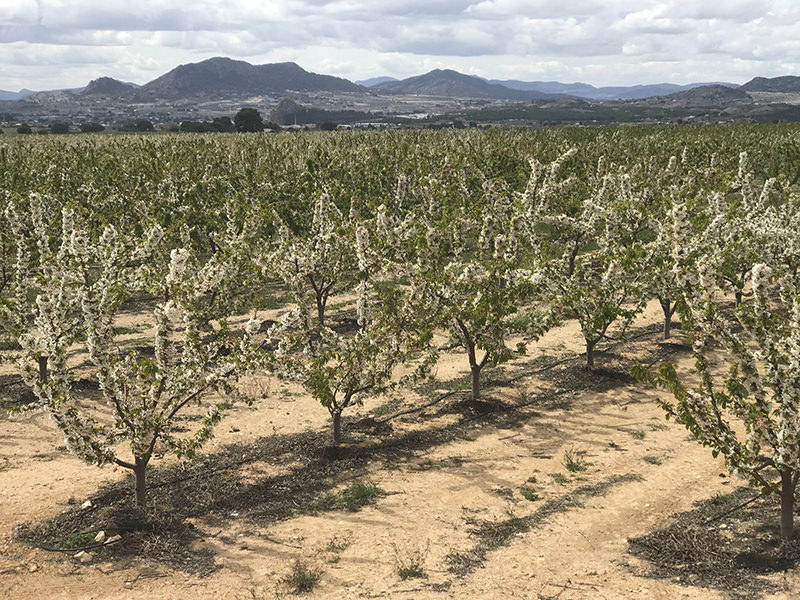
(743,276)
(476,382)
(43,377)
(590,354)
(573,255)
(140,468)
(474,365)
(787,505)
(321,310)
(337,427)
(665,306)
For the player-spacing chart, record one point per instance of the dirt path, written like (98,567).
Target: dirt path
(568,542)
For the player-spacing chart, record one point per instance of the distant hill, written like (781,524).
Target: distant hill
(226,78)
(566,103)
(108,88)
(289,112)
(581,90)
(6,95)
(787,83)
(709,94)
(584,90)
(640,92)
(51,97)
(445,82)
(375,81)
(218,85)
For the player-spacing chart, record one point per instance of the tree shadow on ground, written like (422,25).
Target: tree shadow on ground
(214,486)
(14,392)
(492,535)
(718,546)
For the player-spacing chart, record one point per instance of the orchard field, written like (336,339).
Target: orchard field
(419,364)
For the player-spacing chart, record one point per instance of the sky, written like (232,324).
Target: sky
(50,44)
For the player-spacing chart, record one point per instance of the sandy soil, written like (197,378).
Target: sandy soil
(434,497)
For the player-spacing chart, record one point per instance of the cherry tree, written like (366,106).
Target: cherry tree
(590,256)
(83,292)
(37,272)
(7,248)
(314,264)
(732,230)
(470,269)
(684,181)
(750,414)
(339,369)
(664,283)
(675,182)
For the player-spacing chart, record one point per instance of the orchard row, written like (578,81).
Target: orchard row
(485,236)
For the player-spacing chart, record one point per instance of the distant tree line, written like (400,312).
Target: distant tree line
(142,125)
(91,128)
(246,120)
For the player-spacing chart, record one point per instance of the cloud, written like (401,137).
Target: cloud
(600,41)
(46,56)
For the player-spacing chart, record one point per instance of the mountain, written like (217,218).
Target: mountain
(639,92)
(286,112)
(375,81)
(445,82)
(584,90)
(289,112)
(787,83)
(217,86)
(108,88)
(709,95)
(52,97)
(226,78)
(6,95)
